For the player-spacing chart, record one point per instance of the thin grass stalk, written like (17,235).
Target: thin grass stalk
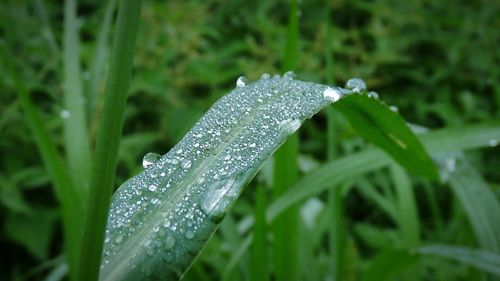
(286,227)
(408,223)
(98,63)
(108,138)
(259,258)
(68,197)
(76,141)
(335,200)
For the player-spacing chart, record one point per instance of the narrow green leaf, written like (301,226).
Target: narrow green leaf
(70,200)
(76,141)
(377,123)
(481,259)
(161,219)
(259,256)
(285,229)
(98,60)
(479,202)
(108,138)
(358,164)
(407,213)
(354,165)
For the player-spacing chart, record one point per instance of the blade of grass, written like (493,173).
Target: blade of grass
(71,203)
(98,62)
(186,193)
(481,259)
(342,169)
(479,202)
(407,214)
(76,141)
(355,165)
(259,270)
(108,138)
(375,122)
(337,233)
(285,229)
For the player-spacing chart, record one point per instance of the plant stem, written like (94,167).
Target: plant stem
(69,199)
(108,138)
(98,62)
(76,141)
(286,227)
(259,258)
(71,204)
(335,197)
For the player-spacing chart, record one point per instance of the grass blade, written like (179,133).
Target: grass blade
(108,138)
(162,218)
(286,228)
(71,203)
(76,141)
(377,123)
(481,259)
(99,58)
(352,166)
(407,213)
(479,202)
(259,270)
(358,164)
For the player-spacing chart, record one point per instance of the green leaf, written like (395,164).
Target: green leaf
(484,260)
(377,123)
(161,219)
(354,165)
(479,202)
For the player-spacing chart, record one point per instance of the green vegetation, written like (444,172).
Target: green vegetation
(361,196)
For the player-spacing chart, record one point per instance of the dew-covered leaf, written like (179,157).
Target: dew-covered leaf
(379,124)
(160,219)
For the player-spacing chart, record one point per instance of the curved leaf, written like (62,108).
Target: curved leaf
(375,122)
(161,219)
(484,260)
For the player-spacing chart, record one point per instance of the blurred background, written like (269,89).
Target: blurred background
(437,61)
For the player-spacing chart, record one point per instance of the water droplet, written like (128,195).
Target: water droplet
(265,76)
(289,126)
(331,94)
(394,108)
(152,188)
(149,159)
(119,239)
(493,143)
(451,164)
(290,75)
(189,234)
(373,95)
(241,82)
(356,85)
(65,114)
(169,242)
(162,174)
(252,145)
(186,164)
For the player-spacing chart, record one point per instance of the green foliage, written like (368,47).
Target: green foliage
(436,61)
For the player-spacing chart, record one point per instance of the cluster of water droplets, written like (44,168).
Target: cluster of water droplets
(165,214)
